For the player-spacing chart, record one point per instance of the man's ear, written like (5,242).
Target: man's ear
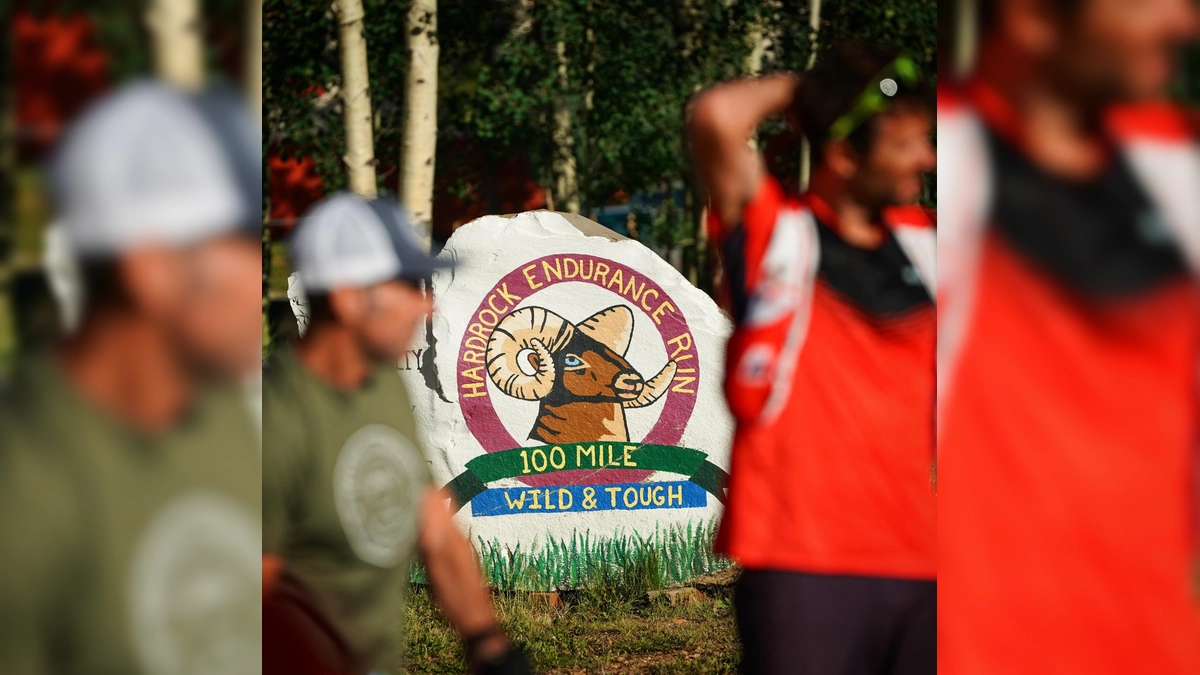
(152,279)
(349,305)
(841,158)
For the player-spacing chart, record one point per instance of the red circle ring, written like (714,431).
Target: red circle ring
(485,425)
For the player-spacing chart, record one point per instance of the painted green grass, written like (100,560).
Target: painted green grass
(643,562)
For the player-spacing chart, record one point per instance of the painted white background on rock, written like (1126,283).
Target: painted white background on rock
(490,248)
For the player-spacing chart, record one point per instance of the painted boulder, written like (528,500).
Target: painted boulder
(572,402)
(569,394)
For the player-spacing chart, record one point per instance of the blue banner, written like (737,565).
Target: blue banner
(573,498)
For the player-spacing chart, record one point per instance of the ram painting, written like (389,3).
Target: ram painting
(577,372)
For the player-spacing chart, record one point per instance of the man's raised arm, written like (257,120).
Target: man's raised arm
(719,124)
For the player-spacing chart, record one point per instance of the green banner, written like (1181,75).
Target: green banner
(542,459)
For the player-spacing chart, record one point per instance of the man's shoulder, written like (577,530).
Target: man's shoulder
(284,383)
(41,505)
(760,213)
(38,410)
(1156,122)
(277,367)
(952,102)
(228,413)
(390,397)
(913,216)
(285,407)
(1159,120)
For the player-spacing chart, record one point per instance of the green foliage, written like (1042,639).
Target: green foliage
(632,64)
(300,58)
(630,67)
(301,75)
(907,25)
(667,224)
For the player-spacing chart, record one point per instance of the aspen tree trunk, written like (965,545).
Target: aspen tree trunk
(763,38)
(589,85)
(758,46)
(177,45)
(419,148)
(253,58)
(8,165)
(693,20)
(695,197)
(523,20)
(967,37)
(566,182)
(356,99)
(587,152)
(252,84)
(753,63)
(814,25)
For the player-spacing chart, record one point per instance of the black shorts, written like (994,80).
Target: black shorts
(817,624)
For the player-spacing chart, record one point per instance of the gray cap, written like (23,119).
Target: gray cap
(346,241)
(150,165)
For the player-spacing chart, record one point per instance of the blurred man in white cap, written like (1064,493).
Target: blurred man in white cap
(130,488)
(347,493)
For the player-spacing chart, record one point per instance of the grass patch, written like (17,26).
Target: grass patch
(592,635)
(611,584)
(628,563)
(606,624)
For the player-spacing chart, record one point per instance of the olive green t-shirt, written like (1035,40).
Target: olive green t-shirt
(125,553)
(343,478)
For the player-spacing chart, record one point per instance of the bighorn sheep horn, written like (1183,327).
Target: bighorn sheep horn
(656,387)
(612,327)
(519,349)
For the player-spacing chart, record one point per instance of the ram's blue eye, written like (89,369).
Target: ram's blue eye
(572,361)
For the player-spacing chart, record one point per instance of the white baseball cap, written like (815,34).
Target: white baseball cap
(151,165)
(346,241)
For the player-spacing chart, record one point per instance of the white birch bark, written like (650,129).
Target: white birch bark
(758,47)
(566,182)
(356,99)
(253,59)
(177,42)
(763,37)
(814,25)
(753,63)
(419,147)
(966,37)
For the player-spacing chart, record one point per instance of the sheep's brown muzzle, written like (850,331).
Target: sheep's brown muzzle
(629,386)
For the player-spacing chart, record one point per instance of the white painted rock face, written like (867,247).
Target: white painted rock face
(570,398)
